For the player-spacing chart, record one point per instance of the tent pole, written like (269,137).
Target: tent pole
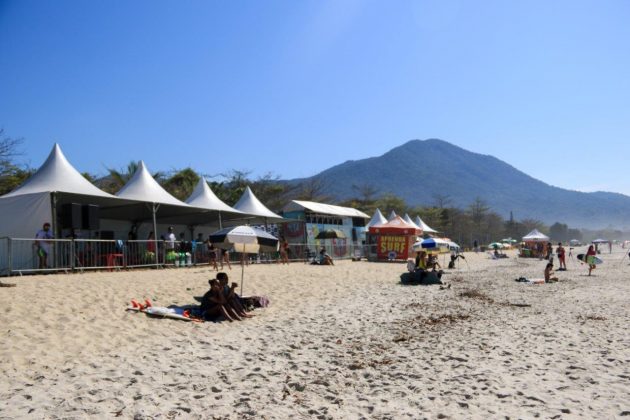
(154,209)
(220,223)
(242,276)
(55,227)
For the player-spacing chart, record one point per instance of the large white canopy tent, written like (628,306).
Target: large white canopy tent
(203,197)
(425,228)
(258,213)
(377,219)
(535,236)
(40,198)
(411,222)
(37,200)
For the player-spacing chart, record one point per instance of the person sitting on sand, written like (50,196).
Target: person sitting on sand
(324,258)
(231,298)
(213,304)
(421,261)
(433,263)
(548,273)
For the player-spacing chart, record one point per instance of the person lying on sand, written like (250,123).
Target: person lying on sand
(231,298)
(213,304)
(548,273)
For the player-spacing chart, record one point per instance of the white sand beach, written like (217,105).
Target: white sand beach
(337,342)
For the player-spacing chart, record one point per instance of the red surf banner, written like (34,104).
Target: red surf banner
(392,247)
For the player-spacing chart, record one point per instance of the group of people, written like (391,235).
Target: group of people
(222,301)
(426,263)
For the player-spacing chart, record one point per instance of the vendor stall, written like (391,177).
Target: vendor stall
(533,244)
(392,240)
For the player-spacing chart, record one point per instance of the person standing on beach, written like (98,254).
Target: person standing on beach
(284,251)
(170,240)
(225,258)
(561,258)
(42,243)
(588,258)
(212,255)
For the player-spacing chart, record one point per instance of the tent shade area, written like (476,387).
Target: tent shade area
(392,240)
(89,226)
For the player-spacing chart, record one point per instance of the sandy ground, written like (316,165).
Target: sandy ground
(346,341)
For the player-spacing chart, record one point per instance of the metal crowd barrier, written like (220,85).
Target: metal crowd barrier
(24,255)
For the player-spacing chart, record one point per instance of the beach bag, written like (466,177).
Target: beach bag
(256,301)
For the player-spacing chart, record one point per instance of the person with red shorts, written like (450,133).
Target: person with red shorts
(561,257)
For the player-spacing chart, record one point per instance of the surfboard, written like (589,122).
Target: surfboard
(160,311)
(163,312)
(592,259)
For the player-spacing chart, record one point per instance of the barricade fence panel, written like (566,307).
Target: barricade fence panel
(27,255)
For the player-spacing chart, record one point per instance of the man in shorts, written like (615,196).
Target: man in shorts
(42,243)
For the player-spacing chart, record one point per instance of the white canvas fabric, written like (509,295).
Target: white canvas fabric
(425,228)
(392,216)
(397,222)
(142,187)
(203,197)
(57,175)
(535,236)
(377,219)
(411,222)
(322,208)
(24,214)
(250,204)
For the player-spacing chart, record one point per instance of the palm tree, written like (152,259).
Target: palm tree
(181,183)
(116,179)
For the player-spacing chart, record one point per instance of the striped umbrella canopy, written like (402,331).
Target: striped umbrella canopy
(430,243)
(244,239)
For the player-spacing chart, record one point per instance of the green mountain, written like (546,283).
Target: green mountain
(418,170)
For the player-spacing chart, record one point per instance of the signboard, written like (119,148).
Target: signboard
(392,247)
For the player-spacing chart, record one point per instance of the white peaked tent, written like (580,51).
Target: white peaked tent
(203,197)
(377,219)
(39,199)
(250,204)
(535,236)
(142,187)
(25,209)
(425,228)
(411,222)
(57,175)
(392,216)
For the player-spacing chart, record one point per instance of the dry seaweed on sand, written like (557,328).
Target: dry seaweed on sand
(476,294)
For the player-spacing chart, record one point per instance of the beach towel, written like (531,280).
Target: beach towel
(530,281)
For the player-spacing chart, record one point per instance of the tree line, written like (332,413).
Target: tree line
(476,222)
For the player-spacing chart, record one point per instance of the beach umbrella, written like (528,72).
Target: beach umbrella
(600,241)
(453,246)
(496,245)
(245,239)
(430,244)
(331,234)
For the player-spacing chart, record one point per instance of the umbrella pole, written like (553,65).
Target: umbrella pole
(242,276)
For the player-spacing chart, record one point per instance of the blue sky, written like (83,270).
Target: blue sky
(294,87)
